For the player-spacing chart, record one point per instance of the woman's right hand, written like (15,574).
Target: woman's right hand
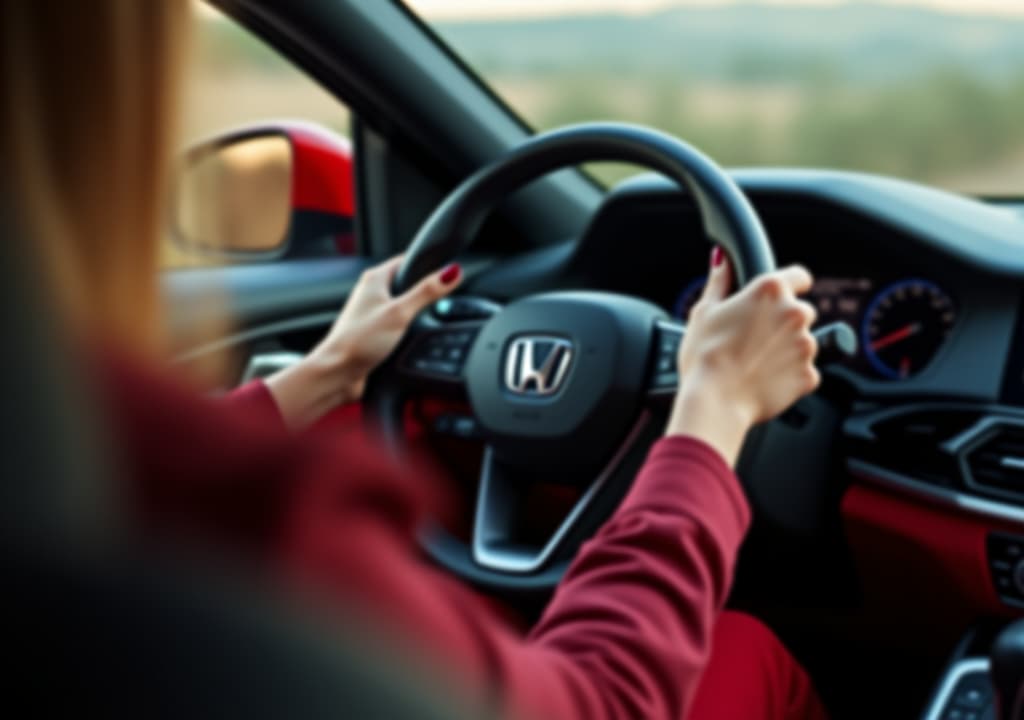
(746,357)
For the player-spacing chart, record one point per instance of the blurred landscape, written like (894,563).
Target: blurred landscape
(236,79)
(913,92)
(907,91)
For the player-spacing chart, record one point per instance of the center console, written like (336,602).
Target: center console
(984,680)
(965,692)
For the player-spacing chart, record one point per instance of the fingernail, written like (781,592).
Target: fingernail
(716,256)
(451,273)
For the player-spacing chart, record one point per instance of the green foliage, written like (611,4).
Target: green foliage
(908,92)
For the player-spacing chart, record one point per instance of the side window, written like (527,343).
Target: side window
(266,167)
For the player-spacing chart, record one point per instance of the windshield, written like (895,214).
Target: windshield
(929,90)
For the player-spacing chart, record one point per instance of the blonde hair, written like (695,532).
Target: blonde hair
(90,105)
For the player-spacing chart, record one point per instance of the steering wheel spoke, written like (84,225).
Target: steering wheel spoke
(501,507)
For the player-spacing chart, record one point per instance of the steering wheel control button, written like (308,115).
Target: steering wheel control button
(440,354)
(1006,565)
(971,698)
(454,424)
(454,309)
(665,378)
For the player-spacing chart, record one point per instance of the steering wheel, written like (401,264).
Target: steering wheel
(563,385)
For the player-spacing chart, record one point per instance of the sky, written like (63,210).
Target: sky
(456,9)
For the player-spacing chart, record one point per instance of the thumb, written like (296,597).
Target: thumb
(431,288)
(719,278)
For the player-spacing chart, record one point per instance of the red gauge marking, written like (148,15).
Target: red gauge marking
(905,367)
(895,336)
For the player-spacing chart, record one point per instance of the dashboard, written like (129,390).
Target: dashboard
(909,461)
(930,281)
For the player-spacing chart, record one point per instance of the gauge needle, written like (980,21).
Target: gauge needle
(896,335)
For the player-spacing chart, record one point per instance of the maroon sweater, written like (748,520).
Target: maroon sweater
(627,633)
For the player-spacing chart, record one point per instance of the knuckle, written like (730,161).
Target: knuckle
(400,313)
(808,346)
(367,276)
(769,287)
(713,357)
(810,312)
(793,317)
(433,290)
(811,379)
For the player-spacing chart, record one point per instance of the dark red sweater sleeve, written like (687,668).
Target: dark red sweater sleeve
(628,631)
(626,635)
(254,400)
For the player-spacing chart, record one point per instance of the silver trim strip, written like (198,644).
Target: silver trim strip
(263,364)
(974,437)
(673,326)
(521,560)
(259,332)
(953,675)
(961,442)
(941,496)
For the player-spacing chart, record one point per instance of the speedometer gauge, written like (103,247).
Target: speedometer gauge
(904,327)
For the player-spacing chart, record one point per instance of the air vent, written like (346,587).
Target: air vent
(911,444)
(924,428)
(995,464)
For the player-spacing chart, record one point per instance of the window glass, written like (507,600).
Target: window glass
(930,90)
(236,81)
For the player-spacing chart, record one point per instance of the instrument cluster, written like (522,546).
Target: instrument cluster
(902,324)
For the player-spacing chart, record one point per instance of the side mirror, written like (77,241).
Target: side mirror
(266,192)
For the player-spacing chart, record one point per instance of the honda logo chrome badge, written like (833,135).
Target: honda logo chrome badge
(537,365)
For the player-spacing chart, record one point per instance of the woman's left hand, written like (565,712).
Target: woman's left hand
(366,332)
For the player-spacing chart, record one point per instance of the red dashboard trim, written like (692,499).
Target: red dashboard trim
(921,561)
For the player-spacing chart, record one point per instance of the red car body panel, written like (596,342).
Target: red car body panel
(322,179)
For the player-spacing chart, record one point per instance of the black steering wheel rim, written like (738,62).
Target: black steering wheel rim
(728,218)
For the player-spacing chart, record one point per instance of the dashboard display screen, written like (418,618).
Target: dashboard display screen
(840,298)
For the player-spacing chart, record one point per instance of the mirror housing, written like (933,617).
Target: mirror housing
(263,192)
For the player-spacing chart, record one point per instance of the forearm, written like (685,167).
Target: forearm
(308,390)
(629,629)
(645,593)
(701,412)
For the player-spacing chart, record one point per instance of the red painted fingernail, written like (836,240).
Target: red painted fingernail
(717,256)
(451,273)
